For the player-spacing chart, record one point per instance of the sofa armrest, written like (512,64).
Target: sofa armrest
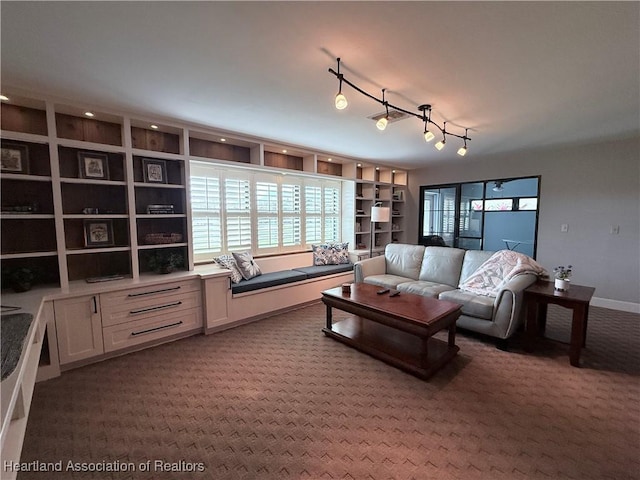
(507,309)
(370,266)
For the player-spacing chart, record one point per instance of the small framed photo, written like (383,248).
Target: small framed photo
(94,165)
(15,158)
(155,171)
(98,233)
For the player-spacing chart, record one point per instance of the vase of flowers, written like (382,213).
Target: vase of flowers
(562,275)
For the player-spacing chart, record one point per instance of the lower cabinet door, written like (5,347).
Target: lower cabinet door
(78,328)
(148,329)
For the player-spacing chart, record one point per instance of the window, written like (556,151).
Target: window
(487,215)
(237,209)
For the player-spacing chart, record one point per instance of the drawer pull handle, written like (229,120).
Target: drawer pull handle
(151,309)
(157,328)
(153,292)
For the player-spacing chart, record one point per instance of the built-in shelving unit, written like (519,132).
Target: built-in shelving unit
(126,177)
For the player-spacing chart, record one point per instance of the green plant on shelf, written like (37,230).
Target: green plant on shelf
(164,261)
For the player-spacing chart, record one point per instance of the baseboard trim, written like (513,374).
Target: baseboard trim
(255,318)
(616,305)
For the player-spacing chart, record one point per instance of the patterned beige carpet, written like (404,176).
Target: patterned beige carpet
(278,400)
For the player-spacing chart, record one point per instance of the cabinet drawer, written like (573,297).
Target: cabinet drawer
(138,308)
(124,298)
(148,329)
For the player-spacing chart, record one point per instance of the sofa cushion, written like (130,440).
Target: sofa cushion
(472,261)
(442,265)
(387,281)
(426,289)
(403,260)
(322,270)
(473,305)
(268,280)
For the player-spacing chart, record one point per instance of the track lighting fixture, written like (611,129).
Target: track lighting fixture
(497,186)
(341,100)
(341,103)
(384,121)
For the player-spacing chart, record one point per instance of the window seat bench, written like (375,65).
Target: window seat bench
(284,277)
(287,282)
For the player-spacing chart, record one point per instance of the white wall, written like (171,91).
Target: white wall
(589,187)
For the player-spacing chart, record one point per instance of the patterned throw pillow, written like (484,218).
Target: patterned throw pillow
(228,262)
(330,253)
(247,266)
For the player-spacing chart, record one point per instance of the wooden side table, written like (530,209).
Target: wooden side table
(577,298)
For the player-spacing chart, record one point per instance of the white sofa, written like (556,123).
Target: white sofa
(437,272)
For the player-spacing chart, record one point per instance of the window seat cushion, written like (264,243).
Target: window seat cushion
(267,280)
(322,270)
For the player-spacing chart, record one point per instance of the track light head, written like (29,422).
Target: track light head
(462,151)
(428,136)
(440,144)
(341,101)
(382,123)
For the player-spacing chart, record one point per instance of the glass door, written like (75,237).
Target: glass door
(484,215)
(439,215)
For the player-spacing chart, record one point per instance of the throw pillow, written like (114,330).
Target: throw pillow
(247,266)
(331,254)
(228,262)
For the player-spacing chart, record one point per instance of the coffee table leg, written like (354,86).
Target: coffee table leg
(578,327)
(452,335)
(329,317)
(424,354)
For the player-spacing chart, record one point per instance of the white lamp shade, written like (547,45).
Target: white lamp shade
(382,123)
(428,136)
(380,214)
(341,101)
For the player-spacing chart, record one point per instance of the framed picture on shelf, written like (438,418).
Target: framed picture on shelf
(155,171)
(98,233)
(15,158)
(94,165)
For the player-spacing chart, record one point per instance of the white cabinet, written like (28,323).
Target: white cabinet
(92,325)
(78,328)
(142,315)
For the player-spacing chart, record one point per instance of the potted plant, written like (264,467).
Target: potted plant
(21,279)
(562,275)
(164,261)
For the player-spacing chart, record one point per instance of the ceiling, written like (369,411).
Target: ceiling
(518,75)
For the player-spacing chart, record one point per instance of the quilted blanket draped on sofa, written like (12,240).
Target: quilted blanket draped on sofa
(498,270)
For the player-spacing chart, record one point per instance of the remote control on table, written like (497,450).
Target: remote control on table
(394,293)
(383,291)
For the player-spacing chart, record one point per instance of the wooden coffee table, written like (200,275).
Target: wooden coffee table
(397,330)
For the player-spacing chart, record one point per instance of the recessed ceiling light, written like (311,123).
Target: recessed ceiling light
(284,151)
(155,127)
(329,160)
(377,168)
(359,165)
(89,114)
(4,98)
(223,139)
